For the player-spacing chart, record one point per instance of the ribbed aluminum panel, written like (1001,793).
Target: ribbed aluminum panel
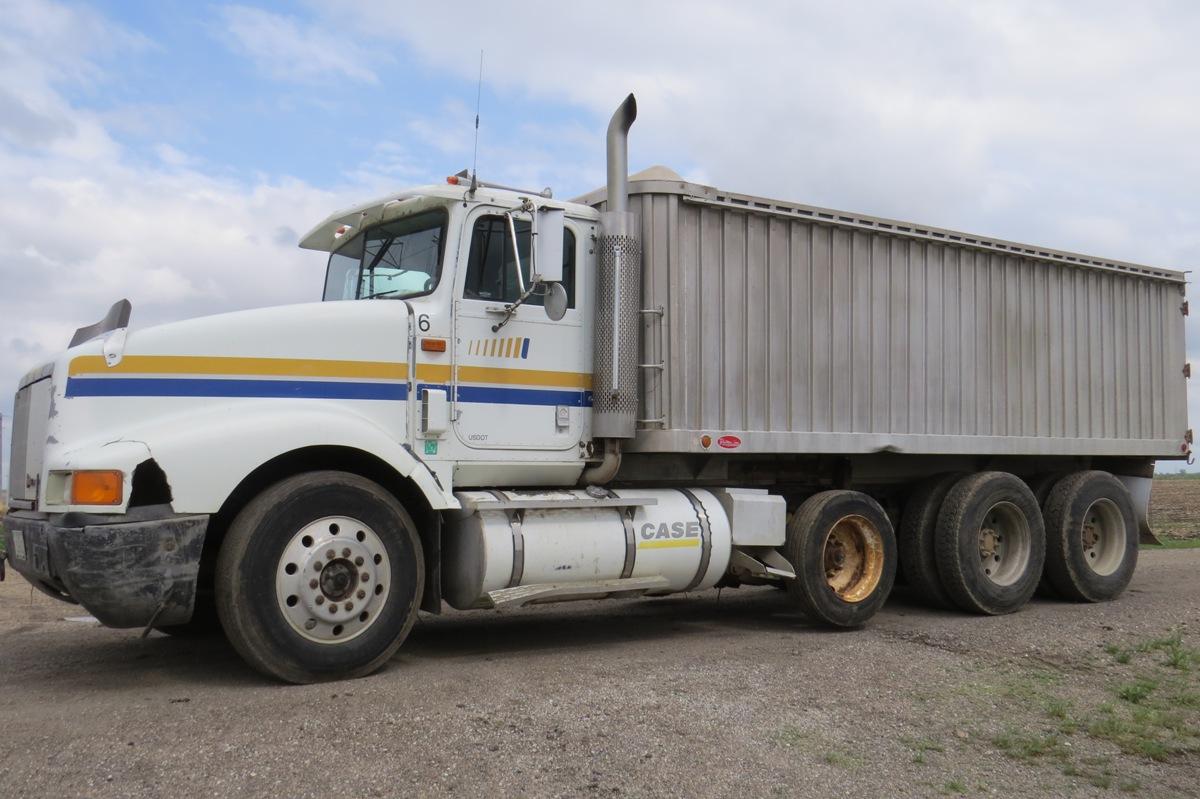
(805,330)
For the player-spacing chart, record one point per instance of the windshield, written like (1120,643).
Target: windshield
(395,260)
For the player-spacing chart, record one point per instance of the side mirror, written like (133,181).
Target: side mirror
(548,245)
(555,301)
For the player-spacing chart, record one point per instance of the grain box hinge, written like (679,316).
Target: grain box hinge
(1187,370)
(1183,308)
(1188,436)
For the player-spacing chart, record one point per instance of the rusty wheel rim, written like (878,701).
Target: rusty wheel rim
(1005,544)
(853,558)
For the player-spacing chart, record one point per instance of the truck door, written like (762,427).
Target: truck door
(526,385)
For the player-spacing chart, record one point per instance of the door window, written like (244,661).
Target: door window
(492,269)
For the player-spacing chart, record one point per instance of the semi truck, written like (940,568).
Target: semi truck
(505,399)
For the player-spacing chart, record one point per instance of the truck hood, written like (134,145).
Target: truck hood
(323,341)
(307,368)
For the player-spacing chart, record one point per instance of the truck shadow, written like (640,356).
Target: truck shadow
(100,659)
(602,623)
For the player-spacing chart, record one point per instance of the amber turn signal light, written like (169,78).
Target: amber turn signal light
(96,488)
(433,345)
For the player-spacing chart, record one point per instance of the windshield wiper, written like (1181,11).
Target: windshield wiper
(381,294)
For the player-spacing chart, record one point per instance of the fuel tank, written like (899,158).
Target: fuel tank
(504,539)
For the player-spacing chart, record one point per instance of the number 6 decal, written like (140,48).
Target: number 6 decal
(423,323)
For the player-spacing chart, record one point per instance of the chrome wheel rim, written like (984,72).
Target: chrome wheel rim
(1004,543)
(1102,537)
(332,579)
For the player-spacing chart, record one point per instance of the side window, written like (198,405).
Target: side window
(492,270)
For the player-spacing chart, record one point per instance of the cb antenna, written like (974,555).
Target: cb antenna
(475,155)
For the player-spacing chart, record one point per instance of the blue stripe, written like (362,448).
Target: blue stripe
(524,396)
(516,396)
(525,349)
(310,389)
(204,387)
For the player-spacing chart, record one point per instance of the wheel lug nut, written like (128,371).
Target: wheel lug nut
(317,566)
(313,584)
(362,594)
(346,552)
(320,600)
(330,554)
(349,606)
(333,607)
(365,576)
(358,561)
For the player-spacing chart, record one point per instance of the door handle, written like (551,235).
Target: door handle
(499,310)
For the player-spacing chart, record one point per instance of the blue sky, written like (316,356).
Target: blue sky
(173,152)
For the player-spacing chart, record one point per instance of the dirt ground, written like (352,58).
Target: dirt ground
(1175,507)
(730,694)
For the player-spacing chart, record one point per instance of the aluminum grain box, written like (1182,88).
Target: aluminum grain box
(806,330)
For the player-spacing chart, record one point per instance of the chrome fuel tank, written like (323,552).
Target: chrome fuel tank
(505,539)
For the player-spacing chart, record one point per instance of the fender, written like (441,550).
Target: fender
(206,454)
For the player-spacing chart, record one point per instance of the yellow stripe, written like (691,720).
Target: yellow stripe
(525,377)
(669,543)
(210,365)
(299,367)
(433,372)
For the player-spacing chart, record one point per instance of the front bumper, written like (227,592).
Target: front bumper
(132,570)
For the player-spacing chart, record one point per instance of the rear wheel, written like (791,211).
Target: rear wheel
(319,578)
(843,550)
(1041,486)
(918,559)
(991,543)
(1091,532)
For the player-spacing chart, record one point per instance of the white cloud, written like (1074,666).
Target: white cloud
(287,49)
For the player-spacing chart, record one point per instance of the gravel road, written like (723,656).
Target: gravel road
(730,694)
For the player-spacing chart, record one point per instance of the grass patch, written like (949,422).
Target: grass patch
(1021,745)
(1057,708)
(1174,543)
(842,760)
(955,786)
(1137,691)
(792,737)
(920,746)
(1119,653)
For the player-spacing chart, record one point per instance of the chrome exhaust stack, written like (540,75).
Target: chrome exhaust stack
(618,296)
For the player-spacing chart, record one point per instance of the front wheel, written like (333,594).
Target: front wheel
(320,578)
(843,550)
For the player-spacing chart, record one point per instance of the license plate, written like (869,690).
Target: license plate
(18,537)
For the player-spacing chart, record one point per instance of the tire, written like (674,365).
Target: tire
(918,525)
(997,513)
(365,568)
(1041,486)
(1091,537)
(857,527)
